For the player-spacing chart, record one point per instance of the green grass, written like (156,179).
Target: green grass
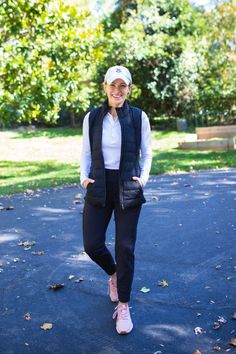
(16,177)
(168,159)
(171,161)
(19,174)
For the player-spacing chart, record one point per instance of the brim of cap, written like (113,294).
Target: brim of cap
(115,77)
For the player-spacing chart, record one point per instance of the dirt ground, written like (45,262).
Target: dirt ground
(39,149)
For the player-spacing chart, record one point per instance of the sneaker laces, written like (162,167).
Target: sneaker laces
(122,311)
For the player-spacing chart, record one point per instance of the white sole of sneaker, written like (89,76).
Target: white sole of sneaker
(122,333)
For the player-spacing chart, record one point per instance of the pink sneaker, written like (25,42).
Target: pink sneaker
(112,290)
(124,323)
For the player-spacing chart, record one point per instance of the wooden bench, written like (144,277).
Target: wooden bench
(227,131)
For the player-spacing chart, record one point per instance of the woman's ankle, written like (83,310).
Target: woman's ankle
(123,303)
(113,277)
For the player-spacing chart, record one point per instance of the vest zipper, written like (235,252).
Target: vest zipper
(121,189)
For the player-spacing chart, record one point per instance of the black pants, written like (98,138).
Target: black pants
(95,223)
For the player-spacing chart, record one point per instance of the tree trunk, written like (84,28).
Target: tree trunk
(72,119)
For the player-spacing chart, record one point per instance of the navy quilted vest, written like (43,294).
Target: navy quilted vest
(131,193)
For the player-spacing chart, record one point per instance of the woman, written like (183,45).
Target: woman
(114,135)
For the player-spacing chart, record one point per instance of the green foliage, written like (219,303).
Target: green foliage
(156,43)
(54,54)
(179,66)
(47,50)
(217,79)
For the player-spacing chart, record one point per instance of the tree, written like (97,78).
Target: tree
(217,84)
(47,49)
(155,40)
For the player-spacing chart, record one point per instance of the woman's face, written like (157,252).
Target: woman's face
(116,92)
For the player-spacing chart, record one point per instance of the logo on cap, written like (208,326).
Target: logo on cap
(118,70)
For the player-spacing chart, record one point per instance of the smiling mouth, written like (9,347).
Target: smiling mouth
(116,97)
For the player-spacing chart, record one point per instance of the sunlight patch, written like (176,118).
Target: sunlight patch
(166,332)
(8,237)
(53,210)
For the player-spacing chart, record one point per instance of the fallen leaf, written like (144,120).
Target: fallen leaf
(163,283)
(27,316)
(70,277)
(156,197)
(233,342)
(39,253)
(46,326)
(26,243)
(198,330)
(56,286)
(216,325)
(197,352)
(9,208)
(15,260)
(145,290)
(78,199)
(27,248)
(217,348)
(79,280)
(218,266)
(221,319)
(28,191)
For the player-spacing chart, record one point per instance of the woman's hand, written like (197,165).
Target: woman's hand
(87,181)
(139,180)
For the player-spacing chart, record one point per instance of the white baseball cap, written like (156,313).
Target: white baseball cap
(118,72)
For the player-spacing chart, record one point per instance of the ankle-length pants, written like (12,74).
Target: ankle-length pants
(95,223)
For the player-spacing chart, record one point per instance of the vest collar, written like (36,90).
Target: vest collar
(120,110)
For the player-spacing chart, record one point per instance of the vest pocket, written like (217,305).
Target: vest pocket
(89,185)
(132,189)
(132,194)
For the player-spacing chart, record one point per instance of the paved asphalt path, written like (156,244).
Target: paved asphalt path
(187,233)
